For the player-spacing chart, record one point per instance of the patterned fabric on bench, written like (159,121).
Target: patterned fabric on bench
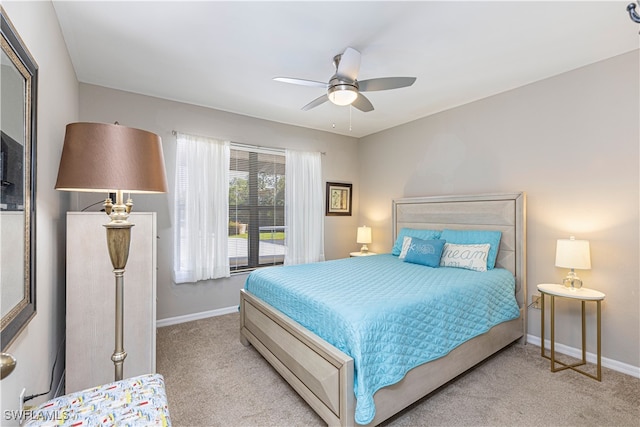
(137,401)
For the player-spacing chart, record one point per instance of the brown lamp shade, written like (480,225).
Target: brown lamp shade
(101,157)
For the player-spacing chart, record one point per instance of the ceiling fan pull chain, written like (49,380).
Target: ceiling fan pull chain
(350,108)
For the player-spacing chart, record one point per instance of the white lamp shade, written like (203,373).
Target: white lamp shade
(364,235)
(572,253)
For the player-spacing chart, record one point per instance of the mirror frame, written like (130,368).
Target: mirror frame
(20,315)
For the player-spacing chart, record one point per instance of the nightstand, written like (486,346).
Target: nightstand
(583,295)
(352,254)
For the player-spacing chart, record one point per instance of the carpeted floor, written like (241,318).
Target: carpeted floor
(213,380)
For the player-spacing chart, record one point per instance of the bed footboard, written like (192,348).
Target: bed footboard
(321,374)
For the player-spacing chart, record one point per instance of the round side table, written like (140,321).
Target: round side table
(583,295)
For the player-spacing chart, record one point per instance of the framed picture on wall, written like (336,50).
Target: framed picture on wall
(338,199)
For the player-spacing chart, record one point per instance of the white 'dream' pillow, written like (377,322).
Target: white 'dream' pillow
(406,243)
(471,257)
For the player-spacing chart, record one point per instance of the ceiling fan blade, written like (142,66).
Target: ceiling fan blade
(385,83)
(349,64)
(362,103)
(318,101)
(302,82)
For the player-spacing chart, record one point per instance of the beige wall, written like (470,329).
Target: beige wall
(162,116)
(37,345)
(571,142)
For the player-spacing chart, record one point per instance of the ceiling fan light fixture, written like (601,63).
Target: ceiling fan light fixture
(343,94)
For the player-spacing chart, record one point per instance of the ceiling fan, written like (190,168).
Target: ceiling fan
(344,88)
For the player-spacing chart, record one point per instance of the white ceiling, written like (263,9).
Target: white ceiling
(224,55)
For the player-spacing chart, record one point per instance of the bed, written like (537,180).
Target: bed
(327,377)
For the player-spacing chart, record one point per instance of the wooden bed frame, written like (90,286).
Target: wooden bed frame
(323,375)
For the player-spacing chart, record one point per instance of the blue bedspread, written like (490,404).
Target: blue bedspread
(388,315)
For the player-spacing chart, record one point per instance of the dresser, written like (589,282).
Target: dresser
(90,331)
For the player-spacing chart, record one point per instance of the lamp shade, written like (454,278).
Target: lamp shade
(572,253)
(100,157)
(364,235)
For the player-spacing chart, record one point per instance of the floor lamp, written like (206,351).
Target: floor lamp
(107,158)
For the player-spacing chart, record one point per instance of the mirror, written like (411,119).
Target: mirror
(18,85)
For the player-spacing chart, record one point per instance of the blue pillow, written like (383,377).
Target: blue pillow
(413,232)
(425,252)
(472,237)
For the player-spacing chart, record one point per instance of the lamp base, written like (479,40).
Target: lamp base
(572,281)
(364,249)
(118,242)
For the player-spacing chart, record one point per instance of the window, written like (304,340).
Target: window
(256,208)
(231,207)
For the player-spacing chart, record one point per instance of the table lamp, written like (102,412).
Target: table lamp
(108,158)
(573,254)
(364,237)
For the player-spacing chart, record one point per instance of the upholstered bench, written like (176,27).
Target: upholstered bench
(137,401)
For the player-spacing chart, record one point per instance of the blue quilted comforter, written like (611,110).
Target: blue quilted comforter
(388,315)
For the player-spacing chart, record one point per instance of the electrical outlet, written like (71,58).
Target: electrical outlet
(535,301)
(21,407)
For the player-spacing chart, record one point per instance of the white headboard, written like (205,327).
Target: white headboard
(505,212)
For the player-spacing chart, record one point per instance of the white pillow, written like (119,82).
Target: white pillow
(406,243)
(471,257)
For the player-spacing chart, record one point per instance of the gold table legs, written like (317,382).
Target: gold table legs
(552,356)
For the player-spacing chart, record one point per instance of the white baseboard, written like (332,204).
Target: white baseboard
(195,316)
(625,368)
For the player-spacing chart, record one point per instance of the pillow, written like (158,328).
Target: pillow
(471,257)
(413,232)
(425,252)
(405,247)
(470,237)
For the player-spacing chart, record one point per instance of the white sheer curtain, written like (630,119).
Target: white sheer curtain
(304,213)
(201,209)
